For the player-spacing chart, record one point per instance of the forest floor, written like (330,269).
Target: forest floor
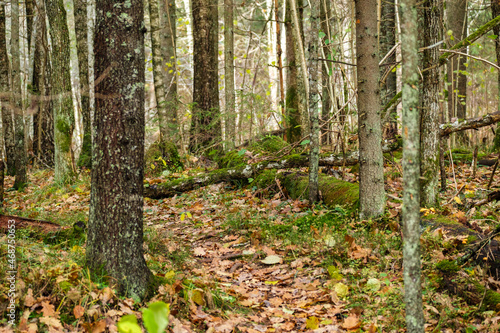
(243,260)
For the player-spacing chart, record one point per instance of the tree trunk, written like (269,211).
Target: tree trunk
(230,98)
(302,80)
(21,158)
(411,169)
(64,117)
(314,98)
(371,168)
(158,72)
(43,121)
(115,235)
(495,12)
(7,120)
(83,66)
(168,39)
(328,95)
(388,84)
(456,13)
(292,112)
(205,122)
(429,100)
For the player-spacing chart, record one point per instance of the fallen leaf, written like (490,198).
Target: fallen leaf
(48,309)
(341,289)
(29,300)
(351,322)
(78,311)
(272,259)
(312,323)
(199,252)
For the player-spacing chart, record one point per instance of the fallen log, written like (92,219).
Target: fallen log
(472,123)
(16,222)
(171,188)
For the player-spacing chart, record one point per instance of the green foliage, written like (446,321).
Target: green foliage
(155,318)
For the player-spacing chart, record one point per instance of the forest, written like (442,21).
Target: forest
(249,166)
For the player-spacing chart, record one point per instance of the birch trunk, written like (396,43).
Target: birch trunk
(7,120)
(411,169)
(20,153)
(314,98)
(158,64)
(43,121)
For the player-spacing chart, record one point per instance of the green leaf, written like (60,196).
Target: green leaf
(241,152)
(321,34)
(250,180)
(155,317)
(128,324)
(493,36)
(305,142)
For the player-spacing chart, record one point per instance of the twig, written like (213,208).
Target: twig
(493,172)
(457,193)
(470,56)
(453,169)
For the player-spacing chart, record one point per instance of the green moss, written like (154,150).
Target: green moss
(85,159)
(491,299)
(162,156)
(334,191)
(447,267)
(267,146)
(267,179)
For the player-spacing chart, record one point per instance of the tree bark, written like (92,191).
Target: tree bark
(388,84)
(302,81)
(115,234)
(230,98)
(456,13)
(64,117)
(83,66)
(495,12)
(371,168)
(411,169)
(20,154)
(205,122)
(168,39)
(314,98)
(328,94)
(429,101)
(43,121)
(159,63)
(292,112)
(7,120)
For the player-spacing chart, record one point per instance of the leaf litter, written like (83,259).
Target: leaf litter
(232,260)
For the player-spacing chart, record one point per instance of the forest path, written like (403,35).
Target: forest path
(240,281)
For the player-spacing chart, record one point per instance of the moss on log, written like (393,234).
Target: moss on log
(333,191)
